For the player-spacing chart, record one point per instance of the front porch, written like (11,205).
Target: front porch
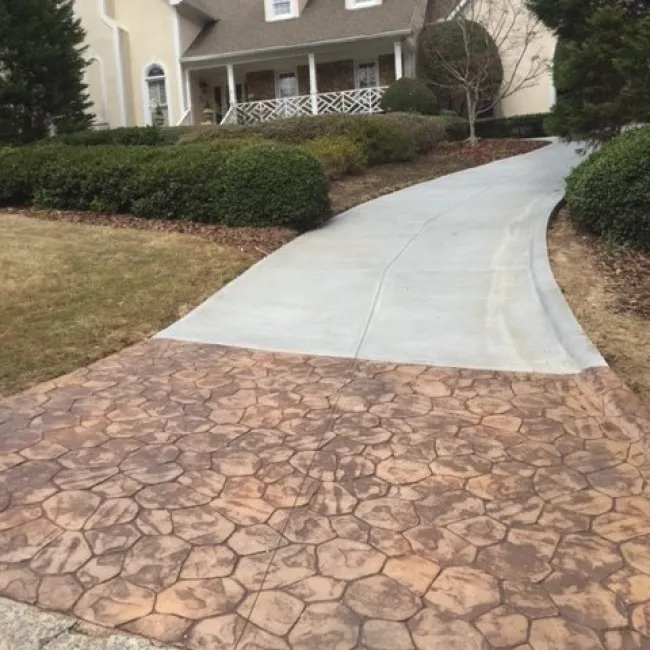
(350,79)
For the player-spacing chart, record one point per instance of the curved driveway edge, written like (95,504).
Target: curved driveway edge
(452,272)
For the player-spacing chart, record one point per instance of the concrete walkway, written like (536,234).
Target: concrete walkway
(452,272)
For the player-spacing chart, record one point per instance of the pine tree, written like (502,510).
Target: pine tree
(601,71)
(41,69)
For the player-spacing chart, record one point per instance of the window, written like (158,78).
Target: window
(366,76)
(286,85)
(158,113)
(282,8)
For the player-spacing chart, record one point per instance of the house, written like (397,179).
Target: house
(183,62)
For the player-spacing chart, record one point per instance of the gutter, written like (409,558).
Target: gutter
(269,50)
(119,59)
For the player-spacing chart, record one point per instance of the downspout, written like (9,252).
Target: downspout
(119,57)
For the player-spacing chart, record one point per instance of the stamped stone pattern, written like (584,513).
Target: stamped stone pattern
(209,497)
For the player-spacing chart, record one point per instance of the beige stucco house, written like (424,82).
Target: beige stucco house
(184,62)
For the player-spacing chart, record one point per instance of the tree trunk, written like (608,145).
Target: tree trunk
(471,118)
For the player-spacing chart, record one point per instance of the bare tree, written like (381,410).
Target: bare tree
(495,52)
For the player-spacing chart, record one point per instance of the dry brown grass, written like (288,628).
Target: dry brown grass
(580,263)
(73,293)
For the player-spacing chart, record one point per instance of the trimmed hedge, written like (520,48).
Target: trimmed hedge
(410,96)
(519,126)
(127,136)
(337,154)
(266,185)
(609,193)
(406,130)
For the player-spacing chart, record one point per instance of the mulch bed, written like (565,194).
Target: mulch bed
(628,273)
(488,151)
(256,242)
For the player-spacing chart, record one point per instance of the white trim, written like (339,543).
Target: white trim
(146,109)
(187,80)
(119,62)
(353,5)
(232,86)
(176,34)
(357,63)
(278,72)
(313,83)
(399,59)
(301,46)
(102,75)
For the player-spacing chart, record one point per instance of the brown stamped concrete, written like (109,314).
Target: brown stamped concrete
(217,499)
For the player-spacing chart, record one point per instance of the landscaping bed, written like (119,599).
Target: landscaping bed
(447,158)
(71,294)
(608,289)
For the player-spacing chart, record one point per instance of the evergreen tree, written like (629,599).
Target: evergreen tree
(41,69)
(601,69)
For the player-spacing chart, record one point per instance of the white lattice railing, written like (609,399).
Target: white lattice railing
(356,102)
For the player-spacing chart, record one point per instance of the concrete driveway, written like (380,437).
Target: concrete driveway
(452,272)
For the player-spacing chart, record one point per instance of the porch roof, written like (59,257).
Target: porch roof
(242,28)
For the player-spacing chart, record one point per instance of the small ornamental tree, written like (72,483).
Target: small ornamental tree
(601,70)
(41,69)
(484,51)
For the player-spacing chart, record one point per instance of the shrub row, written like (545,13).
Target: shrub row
(385,138)
(519,126)
(609,193)
(266,185)
(410,96)
(127,136)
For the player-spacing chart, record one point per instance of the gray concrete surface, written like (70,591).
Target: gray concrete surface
(452,272)
(26,628)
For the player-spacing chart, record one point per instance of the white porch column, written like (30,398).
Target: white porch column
(313,83)
(232,88)
(399,63)
(189,104)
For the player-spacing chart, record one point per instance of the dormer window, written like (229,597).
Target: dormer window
(280,9)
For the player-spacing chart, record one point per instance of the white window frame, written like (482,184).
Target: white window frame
(146,79)
(361,4)
(357,66)
(294,72)
(270,12)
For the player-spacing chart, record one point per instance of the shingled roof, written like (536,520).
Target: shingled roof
(242,27)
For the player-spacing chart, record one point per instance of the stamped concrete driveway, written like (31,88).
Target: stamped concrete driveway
(225,498)
(452,272)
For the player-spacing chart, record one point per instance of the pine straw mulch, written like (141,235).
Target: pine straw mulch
(609,292)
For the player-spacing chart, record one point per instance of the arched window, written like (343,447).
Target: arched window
(157,95)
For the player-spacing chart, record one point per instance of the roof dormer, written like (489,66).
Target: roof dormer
(281,9)
(362,4)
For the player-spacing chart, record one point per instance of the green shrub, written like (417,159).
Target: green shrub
(128,136)
(609,193)
(274,186)
(262,185)
(410,96)
(456,127)
(518,126)
(338,154)
(366,129)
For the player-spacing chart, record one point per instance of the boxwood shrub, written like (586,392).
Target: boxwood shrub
(268,185)
(128,136)
(609,193)
(337,154)
(410,96)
